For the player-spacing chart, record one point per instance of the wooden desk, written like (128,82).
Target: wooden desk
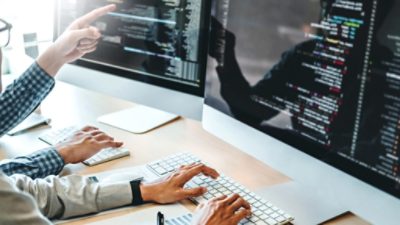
(68,105)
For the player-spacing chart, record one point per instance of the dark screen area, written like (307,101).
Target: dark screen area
(161,42)
(323,76)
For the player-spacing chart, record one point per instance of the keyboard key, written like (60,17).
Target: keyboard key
(227,193)
(252,200)
(271,221)
(107,155)
(208,196)
(200,199)
(280,219)
(257,213)
(257,204)
(54,137)
(245,221)
(264,216)
(213,191)
(261,223)
(287,216)
(160,170)
(274,215)
(268,211)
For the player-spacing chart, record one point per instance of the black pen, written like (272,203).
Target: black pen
(160,218)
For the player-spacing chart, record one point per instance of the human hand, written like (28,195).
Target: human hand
(222,211)
(84,144)
(77,40)
(171,188)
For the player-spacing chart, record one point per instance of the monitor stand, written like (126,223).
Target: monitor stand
(306,205)
(138,120)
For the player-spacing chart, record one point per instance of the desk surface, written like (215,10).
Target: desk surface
(68,105)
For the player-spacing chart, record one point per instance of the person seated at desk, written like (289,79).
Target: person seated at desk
(25,200)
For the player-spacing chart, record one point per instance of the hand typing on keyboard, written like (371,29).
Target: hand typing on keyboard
(222,211)
(213,204)
(85,143)
(171,188)
(174,187)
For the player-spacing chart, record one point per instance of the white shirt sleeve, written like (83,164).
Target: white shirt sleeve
(17,207)
(61,198)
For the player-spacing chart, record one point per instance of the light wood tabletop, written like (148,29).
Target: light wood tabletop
(68,105)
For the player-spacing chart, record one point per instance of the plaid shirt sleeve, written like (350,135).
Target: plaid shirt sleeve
(37,165)
(21,98)
(16,103)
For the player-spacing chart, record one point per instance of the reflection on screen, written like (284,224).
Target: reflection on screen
(153,38)
(323,76)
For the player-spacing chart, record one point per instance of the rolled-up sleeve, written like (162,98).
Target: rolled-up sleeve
(22,97)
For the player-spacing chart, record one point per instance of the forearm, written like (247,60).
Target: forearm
(71,196)
(23,96)
(36,165)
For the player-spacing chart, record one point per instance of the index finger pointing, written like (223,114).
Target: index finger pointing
(95,14)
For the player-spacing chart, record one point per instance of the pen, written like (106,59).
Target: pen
(160,218)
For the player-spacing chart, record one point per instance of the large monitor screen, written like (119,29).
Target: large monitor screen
(161,42)
(320,75)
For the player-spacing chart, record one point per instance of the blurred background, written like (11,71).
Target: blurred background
(32,31)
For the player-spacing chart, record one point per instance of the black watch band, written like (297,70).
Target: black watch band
(136,193)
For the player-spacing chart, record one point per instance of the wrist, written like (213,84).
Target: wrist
(51,61)
(64,153)
(147,193)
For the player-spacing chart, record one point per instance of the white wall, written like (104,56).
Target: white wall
(28,16)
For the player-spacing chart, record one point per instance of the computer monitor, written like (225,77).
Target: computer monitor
(152,52)
(312,88)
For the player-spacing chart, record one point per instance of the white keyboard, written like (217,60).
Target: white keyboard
(56,136)
(264,213)
(106,155)
(181,220)
(171,163)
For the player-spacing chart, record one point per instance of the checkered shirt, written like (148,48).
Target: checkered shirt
(37,165)
(17,102)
